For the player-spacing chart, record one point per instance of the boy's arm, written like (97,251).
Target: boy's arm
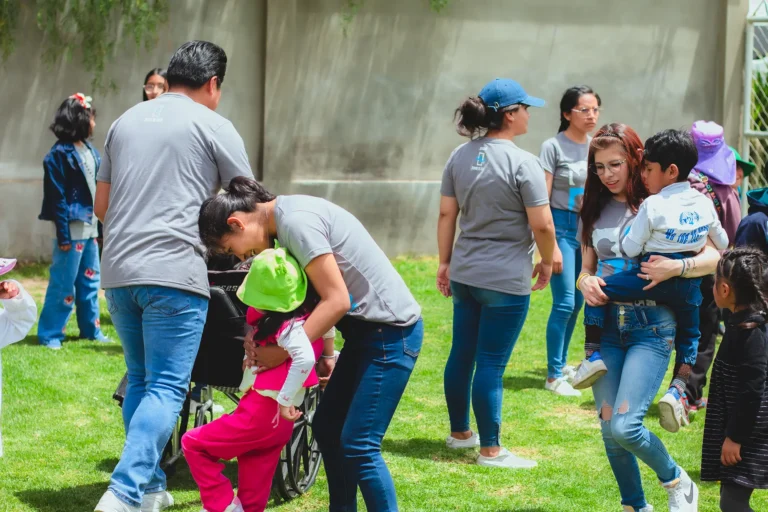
(329,346)
(17,317)
(639,233)
(295,341)
(718,234)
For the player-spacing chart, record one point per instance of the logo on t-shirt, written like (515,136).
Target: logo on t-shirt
(480,161)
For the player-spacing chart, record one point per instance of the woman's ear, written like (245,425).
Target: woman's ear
(236,224)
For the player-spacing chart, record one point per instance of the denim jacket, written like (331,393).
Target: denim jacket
(66,196)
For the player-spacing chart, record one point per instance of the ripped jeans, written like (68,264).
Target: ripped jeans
(636,347)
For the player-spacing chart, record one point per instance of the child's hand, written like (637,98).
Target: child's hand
(290,412)
(731,454)
(8,290)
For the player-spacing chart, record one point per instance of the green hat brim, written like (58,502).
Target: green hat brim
(747,167)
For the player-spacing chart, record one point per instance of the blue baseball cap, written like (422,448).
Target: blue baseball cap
(503,92)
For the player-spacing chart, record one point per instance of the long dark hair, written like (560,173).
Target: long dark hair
(746,269)
(569,101)
(242,195)
(72,122)
(269,324)
(597,195)
(474,118)
(152,72)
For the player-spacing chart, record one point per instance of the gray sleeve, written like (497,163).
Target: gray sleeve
(548,156)
(229,153)
(531,182)
(305,235)
(446,187)
(105,168)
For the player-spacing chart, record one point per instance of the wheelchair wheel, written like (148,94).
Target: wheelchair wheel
(300,460)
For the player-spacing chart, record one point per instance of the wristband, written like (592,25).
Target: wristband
(685,267)
(582,277)
(327,357)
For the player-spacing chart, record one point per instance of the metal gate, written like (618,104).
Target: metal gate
(754,140)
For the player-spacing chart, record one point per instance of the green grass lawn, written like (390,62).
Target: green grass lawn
(63,432)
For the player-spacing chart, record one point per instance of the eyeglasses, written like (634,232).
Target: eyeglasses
(152,87)
(613,167)
(587,111)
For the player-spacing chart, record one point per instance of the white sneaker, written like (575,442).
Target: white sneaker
(156,501)
(672,413)
(235,506)
(569,372)
(647,508)
(683,494)
(505,459)
(588,372)
(471,442)
(561,387)
(110,503)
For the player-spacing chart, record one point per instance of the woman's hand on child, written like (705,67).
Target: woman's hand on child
(658,269)
(290,412)
(8,290)
(731,453)
(592,291)
(325,368)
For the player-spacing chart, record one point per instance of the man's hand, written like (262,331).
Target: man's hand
(8,290)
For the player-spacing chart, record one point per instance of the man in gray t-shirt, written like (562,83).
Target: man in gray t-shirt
(162,159)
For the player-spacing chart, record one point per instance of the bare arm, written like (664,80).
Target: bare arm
(540,219)
(591,286)
(326,277)
(101,203)
(446,233)
(549,178)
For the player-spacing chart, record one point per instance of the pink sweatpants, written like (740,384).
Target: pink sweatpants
(251,435)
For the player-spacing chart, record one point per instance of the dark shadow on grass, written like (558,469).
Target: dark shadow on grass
(107,465)
(520,382)
(108,348)
(419,448)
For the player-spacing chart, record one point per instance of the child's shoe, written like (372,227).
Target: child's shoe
(672,412)
(156,501)
(699,404)
(683,494)
(569,372)
(236,506)
(6,265)
(590,369)
(647,508)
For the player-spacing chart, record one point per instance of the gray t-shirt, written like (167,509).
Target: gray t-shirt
(610,228)
(310,227)
(494,181)
(164,158)
(566,161)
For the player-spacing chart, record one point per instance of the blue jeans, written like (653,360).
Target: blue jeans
(486,325)
(566,299)
(74,283)
(682,296)
(160,329)
(357,406)
(636,347)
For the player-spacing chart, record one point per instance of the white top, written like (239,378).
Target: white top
(16,319)
(677,219)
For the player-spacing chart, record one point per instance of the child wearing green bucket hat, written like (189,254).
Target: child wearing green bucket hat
(743,169)
(280,298)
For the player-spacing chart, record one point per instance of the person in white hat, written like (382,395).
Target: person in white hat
(16,318)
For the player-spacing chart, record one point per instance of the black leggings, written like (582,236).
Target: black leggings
(735,497)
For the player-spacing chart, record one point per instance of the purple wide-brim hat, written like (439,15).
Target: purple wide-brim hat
(6,265)
(716,160)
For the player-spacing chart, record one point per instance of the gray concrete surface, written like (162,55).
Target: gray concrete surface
(366,119)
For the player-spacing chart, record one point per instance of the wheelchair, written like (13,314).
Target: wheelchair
(218,366)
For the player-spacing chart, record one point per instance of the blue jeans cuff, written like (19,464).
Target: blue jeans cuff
(588,320)
(122,497)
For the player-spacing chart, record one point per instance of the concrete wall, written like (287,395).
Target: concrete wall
(366,120)
(33,91)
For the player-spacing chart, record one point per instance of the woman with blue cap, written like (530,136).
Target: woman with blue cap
(502,195)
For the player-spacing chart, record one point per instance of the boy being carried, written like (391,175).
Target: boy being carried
(674,221)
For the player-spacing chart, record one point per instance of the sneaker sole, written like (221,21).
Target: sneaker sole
(667,418)
(589,380)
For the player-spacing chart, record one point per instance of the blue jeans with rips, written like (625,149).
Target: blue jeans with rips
(636,347)
(74,284)
(160,329)
(486,325)
(566,299)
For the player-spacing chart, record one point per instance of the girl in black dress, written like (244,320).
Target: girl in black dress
(735,450)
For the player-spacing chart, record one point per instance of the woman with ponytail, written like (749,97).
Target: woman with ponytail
(564,158)
(363,295)
(502,196)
